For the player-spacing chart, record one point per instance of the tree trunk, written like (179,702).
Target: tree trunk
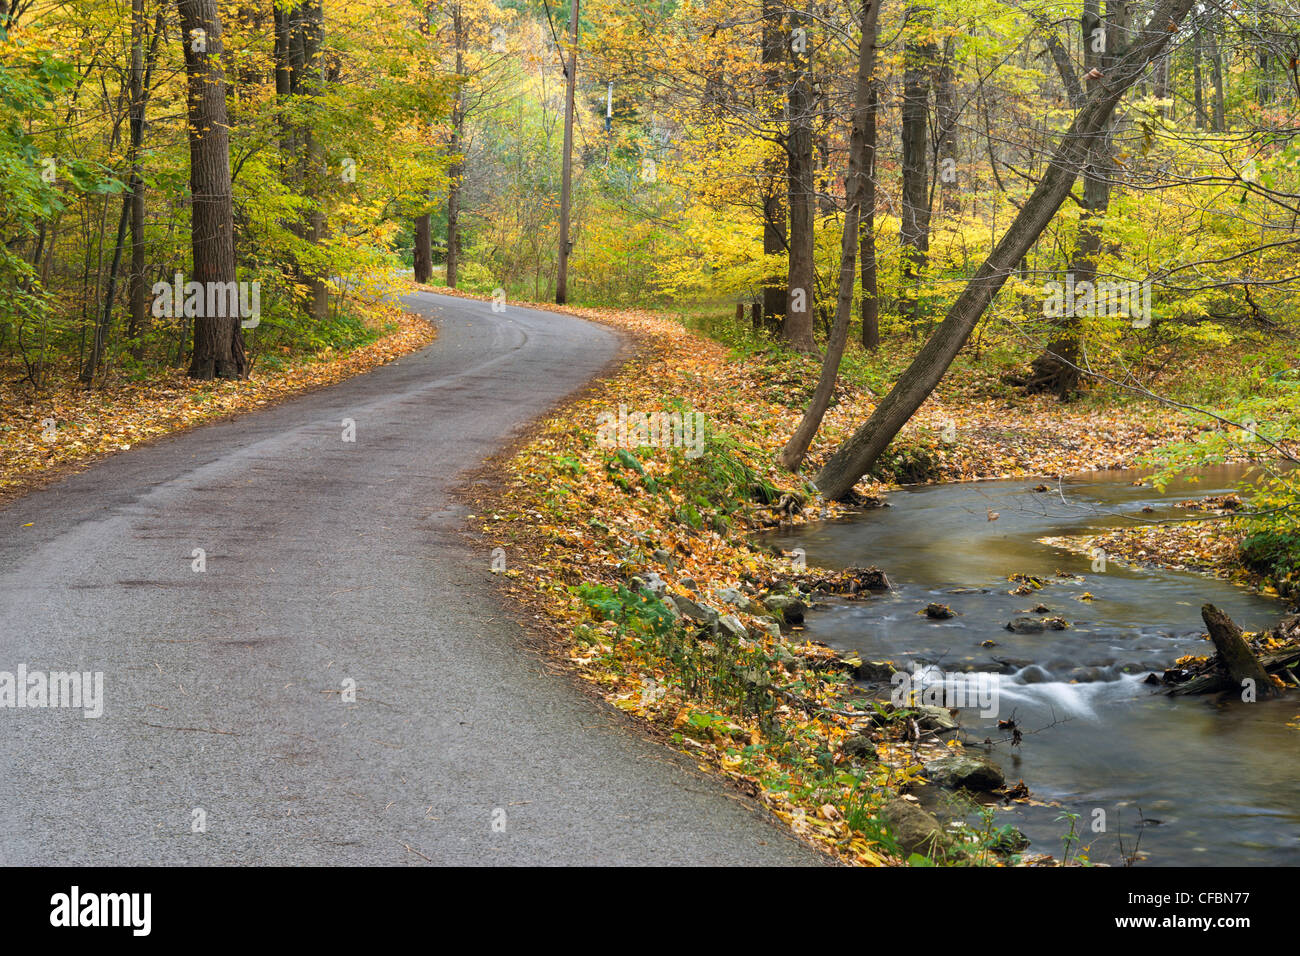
(457,141)
(859,453)
(1198,95)
(869,305)
(137,295)
(946,115)
(423,252)
(1056,370)
(914,228)
(774,211)
(218,340)
(1216,76)
(860,164)
(132,213)
(801,277)
(1235,654)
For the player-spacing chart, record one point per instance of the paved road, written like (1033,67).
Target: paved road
(327,560)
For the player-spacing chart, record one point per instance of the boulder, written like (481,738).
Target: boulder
(1029,625)
(915,830)
(730,625)
(700,613)
(859,747)
(934,718)
(788,606)
(965,771)
(739,599)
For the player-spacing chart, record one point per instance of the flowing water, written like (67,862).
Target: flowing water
(1217,782)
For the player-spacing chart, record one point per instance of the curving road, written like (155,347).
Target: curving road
(326,561)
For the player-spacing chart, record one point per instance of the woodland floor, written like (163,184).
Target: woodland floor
(91,424)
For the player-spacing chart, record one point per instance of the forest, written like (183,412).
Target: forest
(957,361)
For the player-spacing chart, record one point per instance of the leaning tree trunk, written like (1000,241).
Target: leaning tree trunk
(861,148)
(218,340)
(859,453)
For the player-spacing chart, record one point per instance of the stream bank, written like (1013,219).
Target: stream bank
(1212,782)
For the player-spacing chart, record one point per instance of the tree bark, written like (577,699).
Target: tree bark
(1198,94)
(869,305)
(801,278)
(861,148)
(859,453)
(457,142)
(423,251)
(914,227)
(946,114)
(1216,76)
(1056,370)
(136,292)
(774,210)
(218,340)
(1235,654)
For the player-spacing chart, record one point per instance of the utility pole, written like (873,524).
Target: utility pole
(566,181)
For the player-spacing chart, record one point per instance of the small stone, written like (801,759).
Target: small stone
(859,747)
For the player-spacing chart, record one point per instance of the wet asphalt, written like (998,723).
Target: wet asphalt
(227,736)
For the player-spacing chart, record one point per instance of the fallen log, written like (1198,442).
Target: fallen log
(1236,661)
(1274,662)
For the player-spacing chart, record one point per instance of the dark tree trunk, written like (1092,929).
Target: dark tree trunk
(859,453)
(914,229)
(774,211)
(132,213)
(457,143)
(801,278)
(137,295)
(946,115)
(299,33)
(1056,370)
(1198,95)
(1235,654)
(856,185)
(423,251)
(869,304)
(218,340)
